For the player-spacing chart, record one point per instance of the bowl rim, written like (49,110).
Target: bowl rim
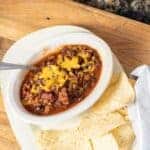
(83,105)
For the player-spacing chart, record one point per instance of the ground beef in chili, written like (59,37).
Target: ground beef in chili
(61,80)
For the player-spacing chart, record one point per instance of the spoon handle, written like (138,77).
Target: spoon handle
(8,66)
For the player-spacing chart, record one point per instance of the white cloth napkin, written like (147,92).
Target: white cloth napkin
(139,112)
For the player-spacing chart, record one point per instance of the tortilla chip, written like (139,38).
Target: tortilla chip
(123,111)
(106,142)
(94,125)
(97,122)
(119,94)
(78,138)
(124,136)
(64,140)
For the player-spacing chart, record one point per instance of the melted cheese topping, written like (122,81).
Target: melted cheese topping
(54,76)
(49,76)
(84,56)
(69,64)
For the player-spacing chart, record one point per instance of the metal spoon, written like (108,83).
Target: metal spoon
(9,66)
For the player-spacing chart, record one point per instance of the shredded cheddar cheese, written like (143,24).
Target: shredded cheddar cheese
(84,56)
(70,63)
(50,76)
(54,75)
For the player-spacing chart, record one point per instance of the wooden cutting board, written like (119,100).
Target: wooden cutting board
(129,40)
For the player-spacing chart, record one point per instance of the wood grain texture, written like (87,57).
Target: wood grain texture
(129,40)
(7,139)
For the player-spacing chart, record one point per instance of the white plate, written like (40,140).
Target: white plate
(23,131)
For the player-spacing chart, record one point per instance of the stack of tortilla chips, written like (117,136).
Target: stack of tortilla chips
(105,126)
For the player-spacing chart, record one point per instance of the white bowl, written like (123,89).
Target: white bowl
(32,49)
